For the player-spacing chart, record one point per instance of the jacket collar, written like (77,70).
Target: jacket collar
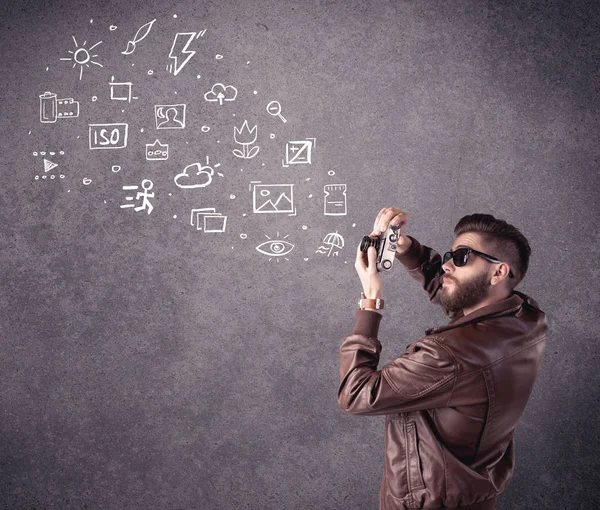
(506,306)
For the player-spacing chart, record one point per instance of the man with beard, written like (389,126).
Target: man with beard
(453,399)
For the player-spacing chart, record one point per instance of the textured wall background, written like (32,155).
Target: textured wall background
(146,364)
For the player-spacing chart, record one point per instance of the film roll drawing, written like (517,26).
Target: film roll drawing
(52,108)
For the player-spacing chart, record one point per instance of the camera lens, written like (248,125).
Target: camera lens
(369,241)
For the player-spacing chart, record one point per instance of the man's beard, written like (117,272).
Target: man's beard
(465,294)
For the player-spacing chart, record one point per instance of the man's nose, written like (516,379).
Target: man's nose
(448,267)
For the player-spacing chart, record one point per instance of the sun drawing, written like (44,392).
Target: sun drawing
(83,56)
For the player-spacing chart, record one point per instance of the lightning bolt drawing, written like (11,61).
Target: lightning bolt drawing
(179,51)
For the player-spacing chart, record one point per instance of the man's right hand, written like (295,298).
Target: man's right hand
(393,215)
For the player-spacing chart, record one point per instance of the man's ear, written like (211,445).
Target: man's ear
(500,273)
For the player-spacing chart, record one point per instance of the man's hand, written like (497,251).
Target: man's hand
(393,215)
(367,272)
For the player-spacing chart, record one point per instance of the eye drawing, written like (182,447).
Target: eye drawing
(275,248)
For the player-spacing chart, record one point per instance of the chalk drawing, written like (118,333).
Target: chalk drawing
(50,153)
(108,136)
(120,91)
(299,152)
(82,56)
(335,200)
(195,175)
(157,151)
(146,185)
(49,165)
(273,198)
(142,32)
(332,244)
(170,116)
(274,108)
(275,247)
(179,50)
(52,108)
(220,93)
(211,220)
(245,137)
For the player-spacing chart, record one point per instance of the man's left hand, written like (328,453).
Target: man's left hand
(367,272)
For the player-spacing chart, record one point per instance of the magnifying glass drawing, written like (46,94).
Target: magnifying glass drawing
(274,108)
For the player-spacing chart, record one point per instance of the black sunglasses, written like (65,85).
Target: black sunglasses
(460,257)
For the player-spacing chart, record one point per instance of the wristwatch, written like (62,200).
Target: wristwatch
(364,302)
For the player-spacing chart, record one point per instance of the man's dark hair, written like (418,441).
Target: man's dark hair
(501,240)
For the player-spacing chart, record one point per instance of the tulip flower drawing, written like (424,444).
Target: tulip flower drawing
(245,137)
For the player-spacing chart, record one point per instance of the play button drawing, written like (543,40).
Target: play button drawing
(49,165)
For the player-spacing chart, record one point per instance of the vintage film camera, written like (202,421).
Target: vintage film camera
(385,244)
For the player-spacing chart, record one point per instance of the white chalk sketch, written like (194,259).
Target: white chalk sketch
(335,200)
(275,247)
(120,91)
(147,185)
(83,56)
(220,93)
(273,198)
(52,108)
(179,50)
(274,108)
(212,221)
(108,136)
(49,153)
(299,152)
(169,116)
(332,244)
(142,32)
(195,175)
(49,165)
(45,177)
(245,137)
(157,151)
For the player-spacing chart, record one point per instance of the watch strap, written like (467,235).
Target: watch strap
(365,302)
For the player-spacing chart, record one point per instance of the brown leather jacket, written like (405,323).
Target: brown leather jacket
(452,401)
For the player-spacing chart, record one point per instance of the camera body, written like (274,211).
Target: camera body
(385,244)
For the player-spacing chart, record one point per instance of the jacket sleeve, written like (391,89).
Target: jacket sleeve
(424,264)
(422,378)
